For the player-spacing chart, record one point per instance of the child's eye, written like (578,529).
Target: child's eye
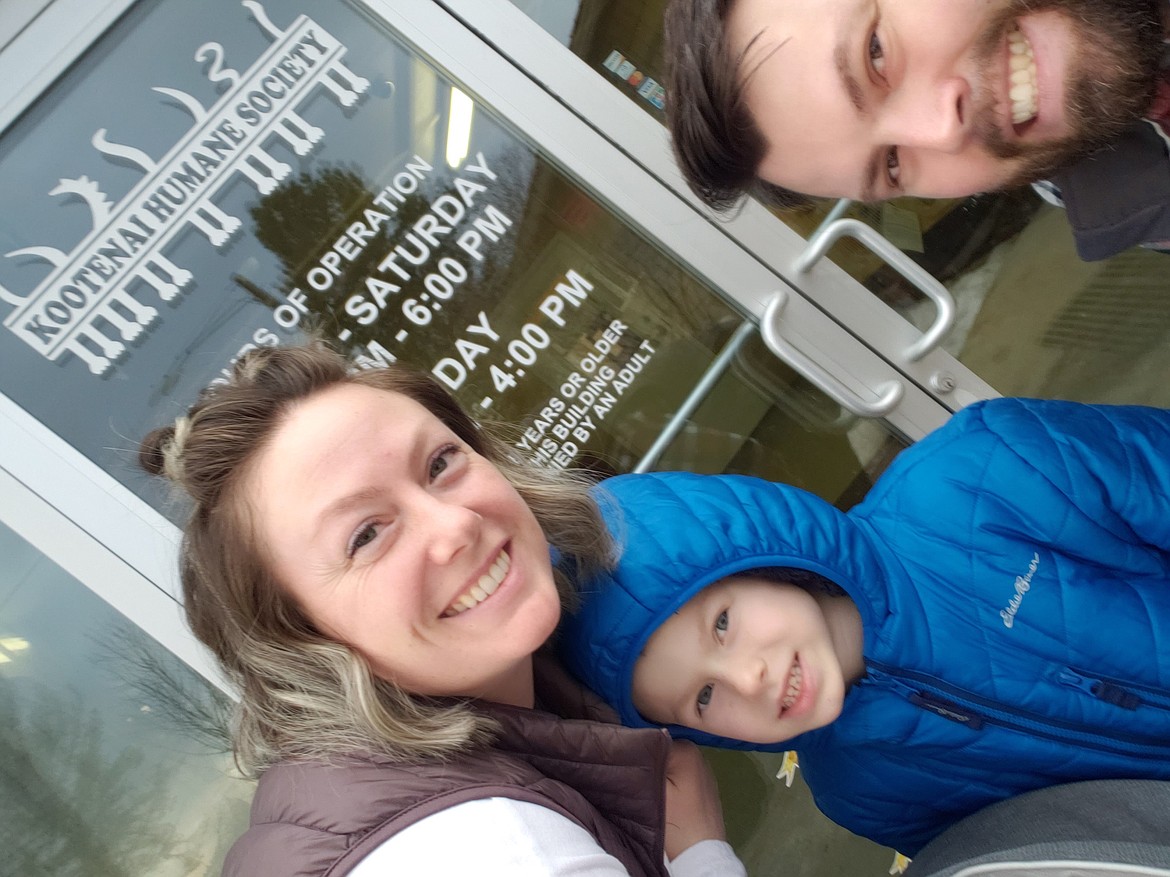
(704,698)
(721,622)
(360,539)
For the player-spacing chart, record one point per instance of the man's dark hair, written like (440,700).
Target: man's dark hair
(716,142)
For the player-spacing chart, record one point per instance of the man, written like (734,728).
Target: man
(872,99)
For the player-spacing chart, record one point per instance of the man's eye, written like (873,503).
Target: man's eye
(877,55)
(721,622)
(360,539)
(704,697)
(893,166)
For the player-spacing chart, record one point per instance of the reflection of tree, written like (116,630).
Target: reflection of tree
(655,294)
(73,807)
(177,698)
(304,216)
(301,220)
(183,703)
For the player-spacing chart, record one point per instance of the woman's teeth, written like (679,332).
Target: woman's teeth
(1022,72)
(484,588)
(793,688)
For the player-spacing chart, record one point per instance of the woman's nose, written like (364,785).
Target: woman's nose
(449,528)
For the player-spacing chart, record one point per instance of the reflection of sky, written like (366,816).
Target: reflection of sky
(555,16)
(71,638)
(196,334)
(68,629)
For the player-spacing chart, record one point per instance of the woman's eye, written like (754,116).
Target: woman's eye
(704,697)
(893,166)
(721,622)
(441,461)
(360,539)
(877,55)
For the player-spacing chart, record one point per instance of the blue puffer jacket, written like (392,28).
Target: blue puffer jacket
(1013,578)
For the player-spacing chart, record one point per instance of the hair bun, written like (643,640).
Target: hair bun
(161,452)
(150,451)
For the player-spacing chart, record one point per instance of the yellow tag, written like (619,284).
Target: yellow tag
(901,228)
(787,770)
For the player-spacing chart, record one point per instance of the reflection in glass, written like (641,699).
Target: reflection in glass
(113,755)
(1034,320)
(386,212)
(620,40)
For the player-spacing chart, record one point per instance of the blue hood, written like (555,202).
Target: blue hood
(677,533)
(1012,571)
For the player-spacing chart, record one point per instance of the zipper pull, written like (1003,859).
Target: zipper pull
(1108,692)
(947,709)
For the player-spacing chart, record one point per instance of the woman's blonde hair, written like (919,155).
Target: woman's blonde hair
(304,694)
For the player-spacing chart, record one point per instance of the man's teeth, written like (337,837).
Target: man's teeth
(1022,86)
(793,688)
(484,588)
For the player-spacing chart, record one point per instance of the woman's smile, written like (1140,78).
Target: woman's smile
(485,586)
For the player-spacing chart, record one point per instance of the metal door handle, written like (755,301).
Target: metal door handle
(889,393)
(829,233)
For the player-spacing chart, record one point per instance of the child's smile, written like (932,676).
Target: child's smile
(794,688)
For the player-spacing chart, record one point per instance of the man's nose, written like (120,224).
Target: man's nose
(930,114)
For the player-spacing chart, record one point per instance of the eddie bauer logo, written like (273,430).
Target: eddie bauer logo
(85,305)
(1023,585)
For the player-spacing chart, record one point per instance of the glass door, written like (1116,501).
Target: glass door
(377,173)
(1031,317)
(1034,318)
(114,750)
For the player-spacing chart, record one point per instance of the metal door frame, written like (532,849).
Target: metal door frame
(552,66)
(117,545)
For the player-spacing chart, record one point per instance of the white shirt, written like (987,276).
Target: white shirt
(501,836)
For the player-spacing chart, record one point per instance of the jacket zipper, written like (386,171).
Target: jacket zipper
(975,711)
(1127,695)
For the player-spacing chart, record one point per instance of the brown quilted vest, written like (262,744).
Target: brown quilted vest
(312,819)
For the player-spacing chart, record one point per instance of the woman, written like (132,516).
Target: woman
(372,569)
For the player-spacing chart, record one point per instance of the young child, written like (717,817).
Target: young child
(993,618)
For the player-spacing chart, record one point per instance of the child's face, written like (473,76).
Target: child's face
(746,658)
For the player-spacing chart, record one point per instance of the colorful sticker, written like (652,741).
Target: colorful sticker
(647,87)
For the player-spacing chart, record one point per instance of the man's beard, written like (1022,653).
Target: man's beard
(1112,79)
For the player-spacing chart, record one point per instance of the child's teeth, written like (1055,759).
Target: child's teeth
(793,687)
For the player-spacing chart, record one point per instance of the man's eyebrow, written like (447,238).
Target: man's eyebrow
(849,82)
(869,187)
(852,86)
